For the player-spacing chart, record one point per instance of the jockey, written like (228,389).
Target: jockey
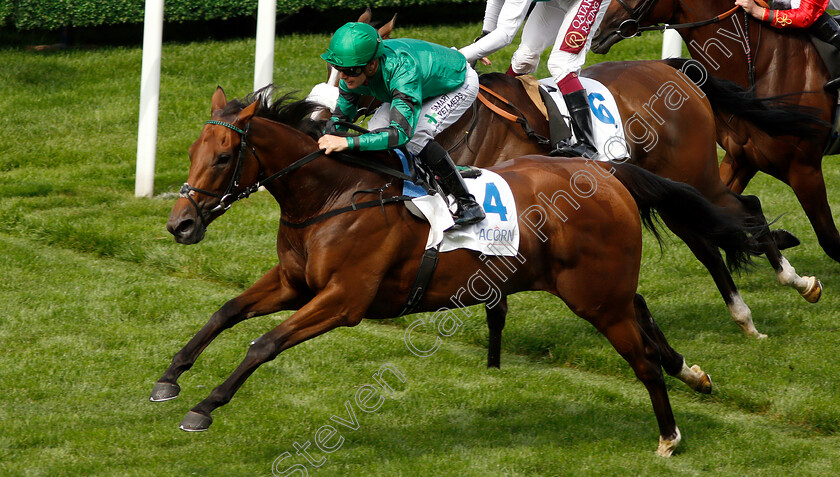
(424,88)
(570,25)
(809,14)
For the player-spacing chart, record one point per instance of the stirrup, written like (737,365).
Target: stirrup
(469,212)
(580,149)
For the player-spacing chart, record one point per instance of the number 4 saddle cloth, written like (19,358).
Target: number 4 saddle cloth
(497,234)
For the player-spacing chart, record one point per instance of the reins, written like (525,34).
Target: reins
(227,199)
(520,119)
(630,27)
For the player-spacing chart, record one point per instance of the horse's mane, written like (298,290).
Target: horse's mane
(283,109)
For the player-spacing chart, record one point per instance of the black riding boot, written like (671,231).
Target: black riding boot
(469,212)
(826,29)
(582,125)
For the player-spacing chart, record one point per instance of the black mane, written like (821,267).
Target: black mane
(284,109)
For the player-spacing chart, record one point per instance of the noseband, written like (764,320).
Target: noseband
(630,27)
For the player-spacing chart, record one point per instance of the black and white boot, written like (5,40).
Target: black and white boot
(469,212)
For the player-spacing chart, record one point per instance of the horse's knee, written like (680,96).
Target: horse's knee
(264,349)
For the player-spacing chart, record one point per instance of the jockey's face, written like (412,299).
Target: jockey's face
(354,82)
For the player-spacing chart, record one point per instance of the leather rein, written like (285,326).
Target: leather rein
(630,27)
(517,118)
(227,199)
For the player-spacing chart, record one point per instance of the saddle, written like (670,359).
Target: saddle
(423,179)
(558,128)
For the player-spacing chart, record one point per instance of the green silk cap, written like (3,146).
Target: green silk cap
(354,44)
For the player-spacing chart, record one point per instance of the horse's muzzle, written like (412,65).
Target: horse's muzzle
(185,227)
(605,39)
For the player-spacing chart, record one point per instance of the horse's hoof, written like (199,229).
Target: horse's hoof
(164,392)
(667,446)
(195,422)
(704,384)
(814,292)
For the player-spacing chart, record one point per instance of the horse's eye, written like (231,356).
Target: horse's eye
(223,159)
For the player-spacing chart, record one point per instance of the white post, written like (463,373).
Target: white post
(144,185)
(671,44)
(264,54)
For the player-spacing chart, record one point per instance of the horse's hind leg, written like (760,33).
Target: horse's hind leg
(626,336)
(711,259)
(495,324)
(268,295)
(672,362)
(808,184)
(809,287)
(736,172)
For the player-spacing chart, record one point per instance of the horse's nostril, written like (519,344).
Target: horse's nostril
(185,227)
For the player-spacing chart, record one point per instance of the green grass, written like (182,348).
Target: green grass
(97,297)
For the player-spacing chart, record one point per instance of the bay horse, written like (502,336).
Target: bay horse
(336,269)
(676,140)
(659,103)
(772,62)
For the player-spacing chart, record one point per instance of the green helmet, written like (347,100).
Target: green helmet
(354,44)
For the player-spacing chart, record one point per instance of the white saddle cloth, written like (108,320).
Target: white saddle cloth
(497,234)
(606,120)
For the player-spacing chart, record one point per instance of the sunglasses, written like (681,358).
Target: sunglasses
(351,71)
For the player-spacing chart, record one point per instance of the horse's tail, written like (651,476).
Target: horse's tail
(685,207)
(775,115)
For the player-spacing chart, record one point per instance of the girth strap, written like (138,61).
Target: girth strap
(428,265)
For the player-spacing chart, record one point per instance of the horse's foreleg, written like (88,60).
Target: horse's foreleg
(711,259)
(672,362)
(268,295)
(495,324)
(809,186)
(625,335)
(325,312)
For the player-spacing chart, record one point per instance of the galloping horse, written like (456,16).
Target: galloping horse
(676,141)
(672,135)
(337,268)
(781,62)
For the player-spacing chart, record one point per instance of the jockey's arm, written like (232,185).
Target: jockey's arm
(405,108)
(510,19)
(346,106)
(801,17)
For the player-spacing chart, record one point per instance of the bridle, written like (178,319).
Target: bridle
(227,199)
(630,27)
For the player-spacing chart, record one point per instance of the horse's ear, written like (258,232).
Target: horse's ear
(385,30)
(219,99)
(365,17)
(247,113)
